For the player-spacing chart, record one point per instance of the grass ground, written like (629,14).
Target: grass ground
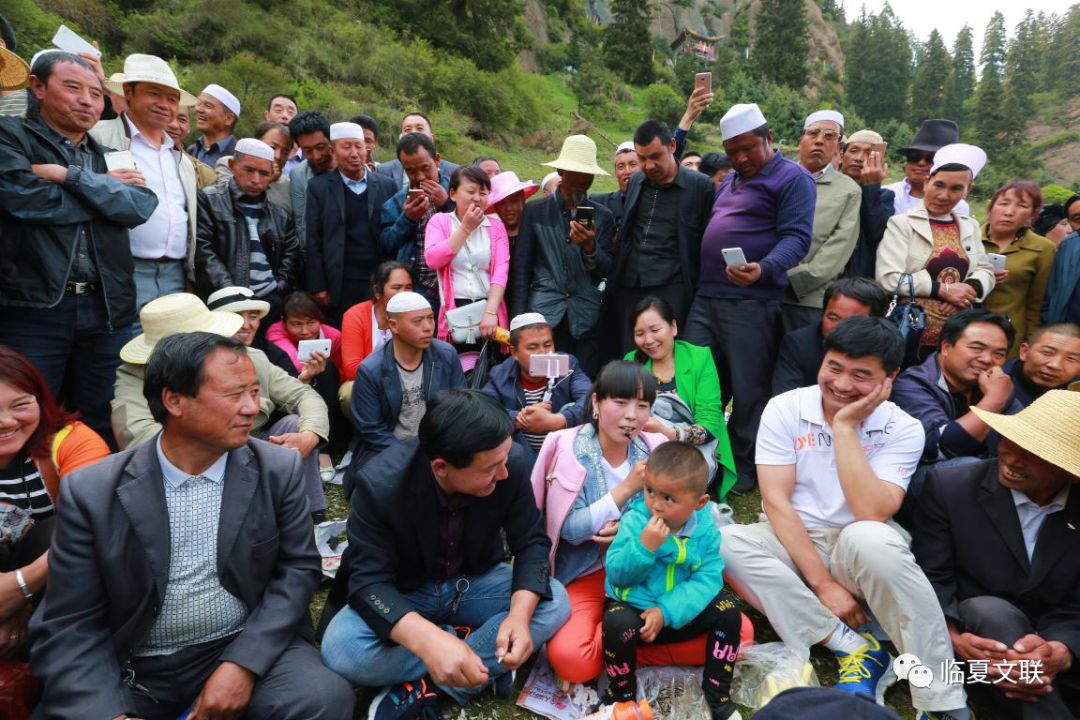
(746,511)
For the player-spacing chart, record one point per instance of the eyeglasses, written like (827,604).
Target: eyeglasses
(915,158)
(828,135)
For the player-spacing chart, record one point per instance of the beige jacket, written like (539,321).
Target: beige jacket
(907,244)
(836,231)
(133,424)
(114,134)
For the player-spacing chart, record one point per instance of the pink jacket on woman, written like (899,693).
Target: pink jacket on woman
(558,477)
(439,256)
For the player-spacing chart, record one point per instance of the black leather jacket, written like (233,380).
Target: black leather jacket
(223,249)
(40,221)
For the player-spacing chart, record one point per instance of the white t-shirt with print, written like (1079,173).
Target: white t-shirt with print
(794,432)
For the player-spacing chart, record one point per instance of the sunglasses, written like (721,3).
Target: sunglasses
(915,158)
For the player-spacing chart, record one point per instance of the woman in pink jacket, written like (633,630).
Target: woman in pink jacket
(471,254)
(583,479)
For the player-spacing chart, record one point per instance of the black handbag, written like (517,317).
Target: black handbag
(909,318)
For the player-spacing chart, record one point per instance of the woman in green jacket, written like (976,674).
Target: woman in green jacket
(1029,257)
(686,372)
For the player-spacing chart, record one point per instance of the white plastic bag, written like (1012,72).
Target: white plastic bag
(331,540)
(764,671)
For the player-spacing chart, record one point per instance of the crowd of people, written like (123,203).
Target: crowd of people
(534,394)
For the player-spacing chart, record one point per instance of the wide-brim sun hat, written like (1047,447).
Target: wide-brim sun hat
(14,72)
(237,299)
(1046,428)
(506,184)
(148,69)
(176,313)
(578,154)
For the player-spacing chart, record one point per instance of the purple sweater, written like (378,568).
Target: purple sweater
(771,217)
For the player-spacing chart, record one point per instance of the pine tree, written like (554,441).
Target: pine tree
(930,86)
(627,41)
(1022,64)
(990,119)
(962,83)
(1067,39)
(878,67)
(780,46)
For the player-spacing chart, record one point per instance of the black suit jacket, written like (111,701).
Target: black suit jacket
(109,566)
(324,222)
(695,209)
(614,202)
(394,520)
(799,359)
(968,541)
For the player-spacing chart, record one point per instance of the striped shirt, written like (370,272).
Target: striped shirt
(196,608)
(260,274)
(532,397)
(22,485)
(13,105)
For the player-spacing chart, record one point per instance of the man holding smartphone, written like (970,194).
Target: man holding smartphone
(863,161)
(737,307)
(563,255)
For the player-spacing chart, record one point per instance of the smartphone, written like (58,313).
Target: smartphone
(415,190)
(585,215)
(306,347)
(68,40)
(703,80)
(551,365)
(879,148)
(119,160)
(734,256)
(998,261)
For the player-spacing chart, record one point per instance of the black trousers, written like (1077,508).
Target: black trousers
(585,349)
(297,687)
(998,619)
(744,335)
(720,622)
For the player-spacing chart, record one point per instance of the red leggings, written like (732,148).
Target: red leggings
(576,650)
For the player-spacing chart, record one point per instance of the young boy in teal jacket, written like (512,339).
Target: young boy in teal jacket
(665,576)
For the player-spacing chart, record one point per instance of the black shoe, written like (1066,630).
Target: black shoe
(744,485)
(407,701)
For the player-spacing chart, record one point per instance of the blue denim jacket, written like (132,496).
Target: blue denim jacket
(577,552)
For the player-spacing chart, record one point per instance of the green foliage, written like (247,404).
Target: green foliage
(991,121)
(780,42)
(663,103)
(962,81)
(34,27)
(1056,194)
(481,30)
(878,67)
(595,86)
(627,41)
(930,87)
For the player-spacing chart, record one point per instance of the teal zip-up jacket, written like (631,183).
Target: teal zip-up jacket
(681,577)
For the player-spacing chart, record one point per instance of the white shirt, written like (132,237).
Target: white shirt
(469,270)
(794,432)
(606,509)
(378,337)
(1032,515)
(165,234)
(904,201)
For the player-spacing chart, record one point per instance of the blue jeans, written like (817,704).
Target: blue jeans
(75,350)
(353,650)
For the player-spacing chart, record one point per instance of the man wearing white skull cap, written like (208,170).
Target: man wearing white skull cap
(242,239)
(343,222)
(216,113)
(836,221)
(394,383)
(761,227)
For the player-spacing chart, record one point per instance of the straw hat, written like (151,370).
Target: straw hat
(149,69)
(176,313)
(578,154)
(14,72)
(237,299)
(506,184)
(1046,427)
